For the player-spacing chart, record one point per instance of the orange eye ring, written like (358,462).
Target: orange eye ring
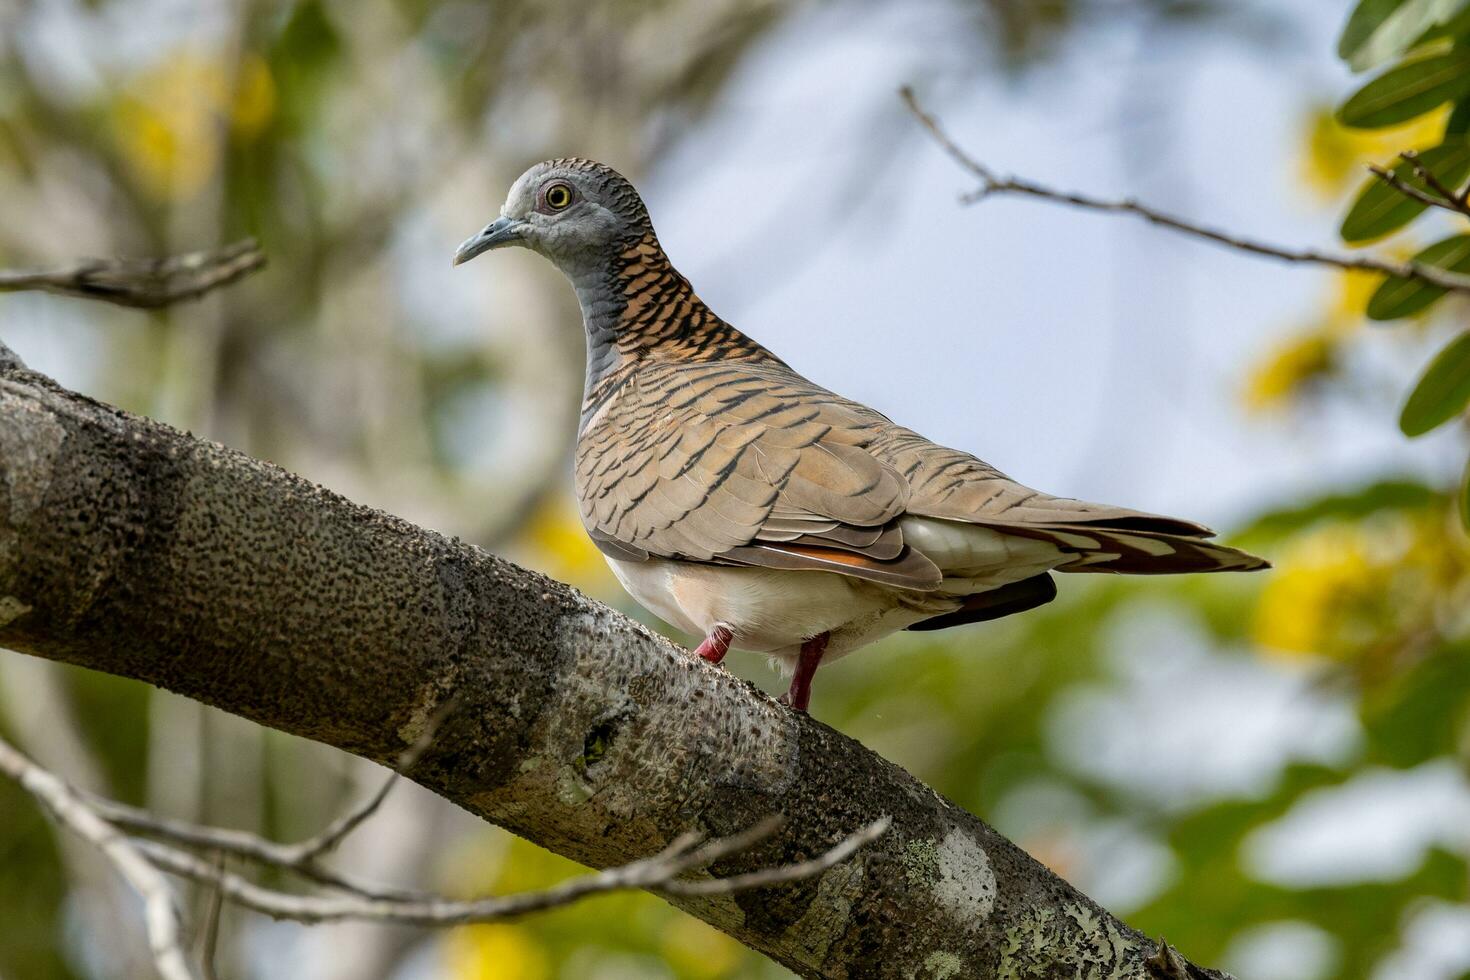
(558,196)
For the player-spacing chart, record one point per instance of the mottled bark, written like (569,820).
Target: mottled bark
(129,547)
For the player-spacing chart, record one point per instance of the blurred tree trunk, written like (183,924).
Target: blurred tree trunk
(128,547)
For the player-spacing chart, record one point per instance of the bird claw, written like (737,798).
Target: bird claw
(786,699)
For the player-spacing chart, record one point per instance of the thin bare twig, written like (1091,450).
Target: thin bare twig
(1407,189)
(991,184)
(239,843)
(789,872)
(302,857)
(334,833)
(212,918)
(144,283)
(70,810)
(657,873)
(141,862)
(1453,200)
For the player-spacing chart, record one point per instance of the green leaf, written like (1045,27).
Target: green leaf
(1412,713)
(301,59)
(1381,209)
(1411,89)
(1405,494)
(1465,497)
(1397,297)
(1365,20)
(1459,122)
(1442,392)
(1453,29)
(1379,30)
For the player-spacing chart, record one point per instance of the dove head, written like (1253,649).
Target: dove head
(575,212)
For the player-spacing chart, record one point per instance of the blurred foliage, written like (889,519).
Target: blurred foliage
(1427,44)
(338,132)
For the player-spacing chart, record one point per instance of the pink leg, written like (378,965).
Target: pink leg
(716,645)
(800,693)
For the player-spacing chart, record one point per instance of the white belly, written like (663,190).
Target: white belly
(772,610)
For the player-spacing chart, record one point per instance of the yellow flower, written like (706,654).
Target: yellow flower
(1354,289)
(170,121)
(1336,158)
(1310,595)
(1305,357)
(253,105)
(560,547)
(698,951)
(495,951)
(1286,369)
(1360,590)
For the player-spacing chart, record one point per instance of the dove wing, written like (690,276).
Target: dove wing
(951,485)
(743,463)
(749,463)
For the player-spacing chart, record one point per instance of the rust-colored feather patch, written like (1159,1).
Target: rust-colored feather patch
(910,570)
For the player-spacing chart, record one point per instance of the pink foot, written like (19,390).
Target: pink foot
(716,645)
(800,693)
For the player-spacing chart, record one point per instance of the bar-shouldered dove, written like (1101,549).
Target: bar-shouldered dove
(745,504)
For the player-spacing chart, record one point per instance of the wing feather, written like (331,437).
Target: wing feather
(743,468)
(749,463)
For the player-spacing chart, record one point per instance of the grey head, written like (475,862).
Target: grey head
(577,213)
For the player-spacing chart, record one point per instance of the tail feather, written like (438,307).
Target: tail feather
(994,603)
(1129,551)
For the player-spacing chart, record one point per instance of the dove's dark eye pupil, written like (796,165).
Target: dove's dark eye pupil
(558,196)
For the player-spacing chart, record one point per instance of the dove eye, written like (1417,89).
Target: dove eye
(557,196)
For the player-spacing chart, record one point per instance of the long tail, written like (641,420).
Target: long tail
(1128,546)
(1135,549)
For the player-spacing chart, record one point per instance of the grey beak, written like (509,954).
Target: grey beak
(498,233)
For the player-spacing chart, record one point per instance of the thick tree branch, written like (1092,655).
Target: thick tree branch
(992,184)
(144,283)
(128,547)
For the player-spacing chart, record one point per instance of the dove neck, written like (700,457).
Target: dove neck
(636,305)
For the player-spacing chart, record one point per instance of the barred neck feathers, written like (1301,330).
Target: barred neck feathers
(639,307)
